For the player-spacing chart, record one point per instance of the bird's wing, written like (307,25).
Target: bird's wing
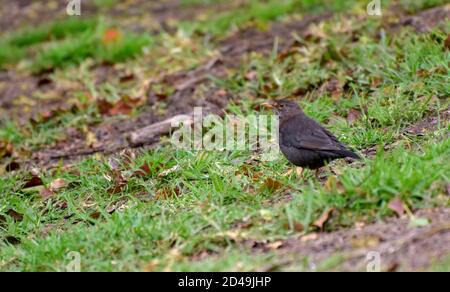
(310,135)
(317,141)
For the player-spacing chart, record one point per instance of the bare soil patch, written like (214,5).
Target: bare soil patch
(401,247)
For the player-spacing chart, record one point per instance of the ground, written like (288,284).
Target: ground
(79,172)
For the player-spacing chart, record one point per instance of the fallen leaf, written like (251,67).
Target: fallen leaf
(296,226)
(16,216)
(167,192)
(46,193)
(250,76)
(121,108)
(353,116)
(43,81)
(397,206)
(110,35)
(298,172)
(6,149)
(143,171)
(104,106)
(393,267)
(13,166)
(127,78)
(221,93)
(169,171)
(423,73)
(309,237)
(57,184)
(12,240)
(33,182)
(250,173)
(271,185)
(447,43)
(334,88)
(275,245)
(319,223)
(95,215)
(119,183)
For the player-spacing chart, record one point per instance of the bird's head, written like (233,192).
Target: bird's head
(283,107)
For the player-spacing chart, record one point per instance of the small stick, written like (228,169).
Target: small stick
(149,133)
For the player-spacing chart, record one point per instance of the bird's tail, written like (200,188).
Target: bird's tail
(351,154)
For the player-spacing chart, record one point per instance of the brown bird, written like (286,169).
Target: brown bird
(303,141)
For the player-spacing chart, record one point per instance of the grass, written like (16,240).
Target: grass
(223,203)
(259,13)
(420,5)
(69,42)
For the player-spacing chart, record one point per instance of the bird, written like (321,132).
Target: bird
(303,141)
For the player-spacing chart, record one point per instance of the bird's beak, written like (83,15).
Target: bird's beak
(267,105)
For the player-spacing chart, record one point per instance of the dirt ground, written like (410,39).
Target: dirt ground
(401,247)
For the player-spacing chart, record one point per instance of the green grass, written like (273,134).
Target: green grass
(419,5)
(15,45)
(212,200)
(261,12)
(69,42)
(218,202)
(75,51)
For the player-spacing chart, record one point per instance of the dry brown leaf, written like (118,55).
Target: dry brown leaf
(143,171)
(169,171)
(250,76)
(57,184)
(6,149)
(447,43)
(319,223)
(119,183)
(95,215)
(275,245)
(353,116)
(46,193)
(221,93)
(104,106)
(111,35)
(297,226)
(33,182)
(397,206)
(167,192)
(309,237)
(121,108)
(16,216)
(271,185)
(423,73)
(13,166)
(12,240)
